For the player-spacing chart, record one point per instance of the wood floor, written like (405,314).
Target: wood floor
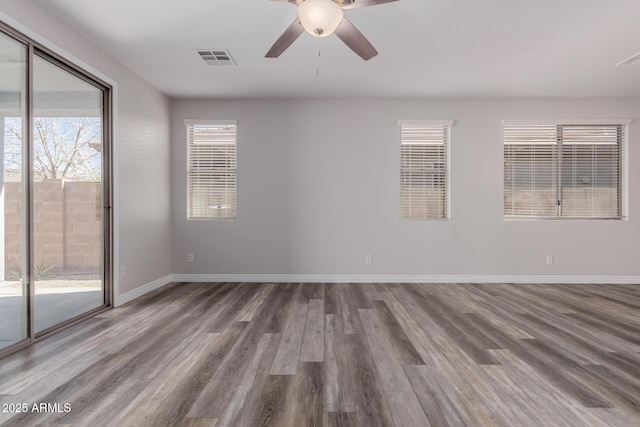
(204,354)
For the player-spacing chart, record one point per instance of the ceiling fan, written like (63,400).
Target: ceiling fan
(321,18)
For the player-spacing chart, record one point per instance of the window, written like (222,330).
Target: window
(424,169)
(211,169)
(558,170)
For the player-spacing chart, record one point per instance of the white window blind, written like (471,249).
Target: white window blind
(424,175)
(564,170)
(212,170)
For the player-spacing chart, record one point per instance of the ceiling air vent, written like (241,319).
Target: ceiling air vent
(630,60)
(217,57)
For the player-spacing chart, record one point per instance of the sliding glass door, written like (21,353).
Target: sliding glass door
(13,120)
(55,201)
(67,194)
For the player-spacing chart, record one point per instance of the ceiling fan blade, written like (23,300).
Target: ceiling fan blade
(296,2)
(352,4)
(355,40)
(284,41)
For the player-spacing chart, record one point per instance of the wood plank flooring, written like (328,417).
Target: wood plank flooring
(249,354)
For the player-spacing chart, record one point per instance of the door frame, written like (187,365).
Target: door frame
(35,48)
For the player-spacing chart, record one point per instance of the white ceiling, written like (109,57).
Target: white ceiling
(441,48)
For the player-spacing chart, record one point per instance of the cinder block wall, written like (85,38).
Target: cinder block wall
(12,230)
(68,227)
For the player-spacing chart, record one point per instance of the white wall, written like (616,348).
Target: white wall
(142,165)
(318,185)
(318,188)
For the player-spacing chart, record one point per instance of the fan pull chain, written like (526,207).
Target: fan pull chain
(318,66)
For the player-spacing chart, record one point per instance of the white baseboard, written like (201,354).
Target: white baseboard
(309,278)
(142,290)
(312,278)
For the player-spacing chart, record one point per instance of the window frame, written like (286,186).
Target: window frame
(209,122)
(623,165)
(448,124)
(39,47)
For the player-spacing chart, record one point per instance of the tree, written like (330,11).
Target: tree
(64,148)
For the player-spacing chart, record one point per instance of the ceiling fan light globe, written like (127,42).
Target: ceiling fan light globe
(320,18)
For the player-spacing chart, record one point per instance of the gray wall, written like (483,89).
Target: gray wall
(142,162)
(318,188)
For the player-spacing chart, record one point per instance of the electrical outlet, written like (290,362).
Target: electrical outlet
(189,257)
(549,259)
(123,272)
(368,259)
